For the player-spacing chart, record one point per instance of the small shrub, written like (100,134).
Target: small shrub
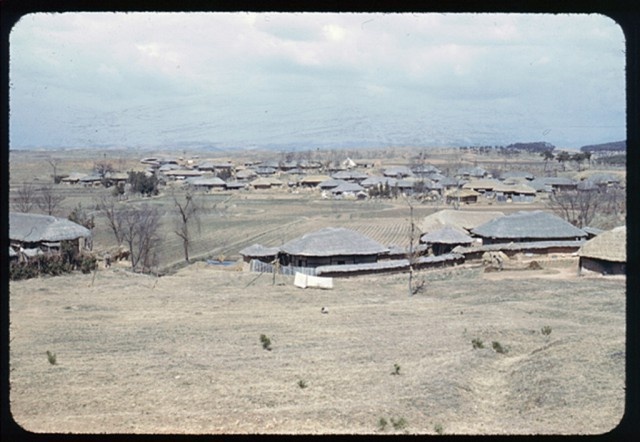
(302,383)
(399,424)
(88,264)
(477,343)
(396,369)
(266,342)
(52,358)
(382,424)
(499,348)
(546,330)
(438,429)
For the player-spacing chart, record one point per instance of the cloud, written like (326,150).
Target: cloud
(246,77)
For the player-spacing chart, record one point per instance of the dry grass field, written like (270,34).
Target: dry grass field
(182,353)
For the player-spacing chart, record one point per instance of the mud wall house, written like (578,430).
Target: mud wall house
(331,246)
(397,172)
(313,180)
(444,240)
(560,183)
(484,186)
(33,232)
(527,226)
(462,196)
(474,252)
(606,253)
(517,193)
(260,253)
(209,184)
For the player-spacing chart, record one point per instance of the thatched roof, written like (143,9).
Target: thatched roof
(446,235)
(519,188)
(333,241)
(258,250)
(314,179)
(207,182)
(347,187)
(462,220)
(395,171)
(28,227)
(462,193)
(485,183)
(331,183)
(609,246)
(529,224)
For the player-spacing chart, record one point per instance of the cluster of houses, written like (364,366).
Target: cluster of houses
(358,179)
(449,237)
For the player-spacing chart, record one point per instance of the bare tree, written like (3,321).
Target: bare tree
(188,214)
(25,199)
(112,210)
(53,162)
(48,201)
(576,207)
(413,254)
(140,227)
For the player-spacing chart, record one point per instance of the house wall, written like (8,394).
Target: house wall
(316,261)
(488,241)
(603,267)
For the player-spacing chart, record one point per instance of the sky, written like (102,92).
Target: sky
(309,80)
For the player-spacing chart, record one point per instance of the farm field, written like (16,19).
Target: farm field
(182,353)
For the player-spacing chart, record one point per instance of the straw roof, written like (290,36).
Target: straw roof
(28,227)
(347,187)
(529,224)
(462,220)
(258,250)
(207,182)
(463,193)
(314,179)
(520,188)
(485,183)
(333,241)
(446,235)
(609,246)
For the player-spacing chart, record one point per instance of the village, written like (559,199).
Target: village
(547,210)
(399,291)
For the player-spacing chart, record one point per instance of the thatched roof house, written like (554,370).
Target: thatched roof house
(482,185)
(605,253)
(465,196)
(331,246)
(259,252)
(313,180)
(30,230)
(444,240)
(527,226)
(463,220)
(397,171)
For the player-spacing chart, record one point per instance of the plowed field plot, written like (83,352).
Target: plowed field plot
(182,353)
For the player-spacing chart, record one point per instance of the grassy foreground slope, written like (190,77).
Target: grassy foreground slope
(182,353)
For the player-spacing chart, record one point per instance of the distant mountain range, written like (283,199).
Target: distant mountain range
(615,146)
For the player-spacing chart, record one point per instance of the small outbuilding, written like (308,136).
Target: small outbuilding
(606,253)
